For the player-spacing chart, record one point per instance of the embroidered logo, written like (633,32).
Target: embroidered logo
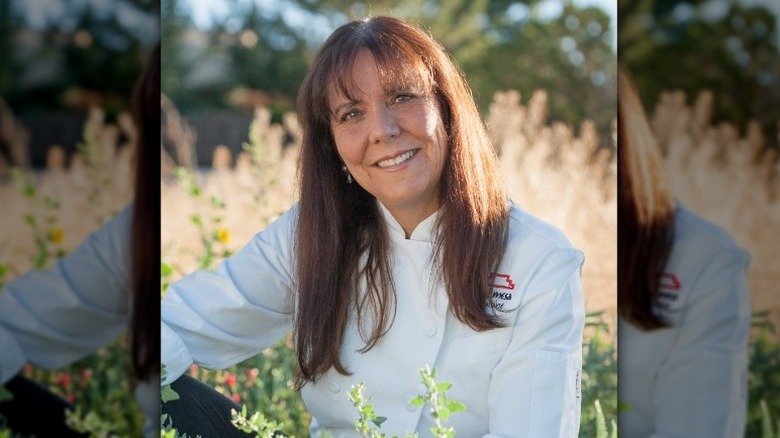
(502,281)
(668,286)
(504,298)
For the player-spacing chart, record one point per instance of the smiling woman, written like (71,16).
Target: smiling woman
(402,252)
(392,141)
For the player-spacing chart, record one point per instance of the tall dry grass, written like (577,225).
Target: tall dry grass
(61,204)
(726,174)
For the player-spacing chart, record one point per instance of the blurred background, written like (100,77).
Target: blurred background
(708,74)
(67,72)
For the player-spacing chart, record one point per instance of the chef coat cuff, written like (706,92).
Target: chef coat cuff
(12,359)
(173,355)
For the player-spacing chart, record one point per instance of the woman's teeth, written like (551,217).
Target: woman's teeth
(395,161)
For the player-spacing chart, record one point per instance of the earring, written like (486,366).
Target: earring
(349,175)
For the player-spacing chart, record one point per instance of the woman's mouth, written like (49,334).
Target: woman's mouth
(390,162)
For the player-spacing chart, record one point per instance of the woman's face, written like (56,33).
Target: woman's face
(392,139)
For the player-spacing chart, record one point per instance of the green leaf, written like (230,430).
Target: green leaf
(379,420)
(5,394)
(418,401)
(165,269)
(456,406)
(444,413)
(167,394)
(443,386)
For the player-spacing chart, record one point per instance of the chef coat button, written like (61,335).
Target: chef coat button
(410,407)
(431,330)
(334,387)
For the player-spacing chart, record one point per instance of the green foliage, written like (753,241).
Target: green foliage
(5,394)
(89,423)
(42,219)
(599,378)
(764,378)
(441,407)
(256,423)
(264,384)
(601,424)
(95,52)
(735,54)
(213,235)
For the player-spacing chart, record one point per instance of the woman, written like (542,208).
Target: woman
(683,304)
(402,252)
(88,298)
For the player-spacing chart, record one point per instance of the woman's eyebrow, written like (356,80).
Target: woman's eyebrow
(343,105)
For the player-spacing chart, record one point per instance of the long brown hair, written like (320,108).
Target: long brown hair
(645,213)
(341,238)
(145,230)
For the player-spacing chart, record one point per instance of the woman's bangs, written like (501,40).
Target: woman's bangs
(402,69)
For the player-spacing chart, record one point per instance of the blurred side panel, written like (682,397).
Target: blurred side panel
(707,74)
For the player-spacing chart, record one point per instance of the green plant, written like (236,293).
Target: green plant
(48,236)
(599,377)
(256,423)
(213,235)
(601,424)
(763,377)
(368,422)
(89,423)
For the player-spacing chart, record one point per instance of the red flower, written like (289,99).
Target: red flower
(236,397)
(64,380)
(231,380)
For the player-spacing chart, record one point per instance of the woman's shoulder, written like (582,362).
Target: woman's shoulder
(698,241)
(705,264)
(526,229)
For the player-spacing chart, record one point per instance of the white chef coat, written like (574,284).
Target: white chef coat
(53,318)
(689,380)
(518,381)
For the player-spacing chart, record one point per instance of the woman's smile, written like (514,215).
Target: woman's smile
(391,139)
(394,163)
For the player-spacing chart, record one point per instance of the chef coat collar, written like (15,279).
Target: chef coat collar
(424,232)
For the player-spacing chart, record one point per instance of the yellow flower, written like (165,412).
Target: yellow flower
(223,235)
(56,235)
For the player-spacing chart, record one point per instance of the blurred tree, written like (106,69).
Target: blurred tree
(81,55)
(499,44)
(697,45)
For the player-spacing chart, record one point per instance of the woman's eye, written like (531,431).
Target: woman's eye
(402,98)
(348,115)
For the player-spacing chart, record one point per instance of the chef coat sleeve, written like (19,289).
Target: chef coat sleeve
(701,387)
(535,388)
(217,319)
(53,318)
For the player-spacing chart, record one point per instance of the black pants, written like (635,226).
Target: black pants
(201,410)
(35,411)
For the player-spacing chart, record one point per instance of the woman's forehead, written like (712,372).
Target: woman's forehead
(346,79)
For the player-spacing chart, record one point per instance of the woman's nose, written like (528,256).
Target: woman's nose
(384,124)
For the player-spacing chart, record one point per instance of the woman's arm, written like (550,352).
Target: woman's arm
(535,388)
(217,319)
(53,318)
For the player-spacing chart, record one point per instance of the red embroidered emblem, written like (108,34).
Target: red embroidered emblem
(669,281)
(502,281)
